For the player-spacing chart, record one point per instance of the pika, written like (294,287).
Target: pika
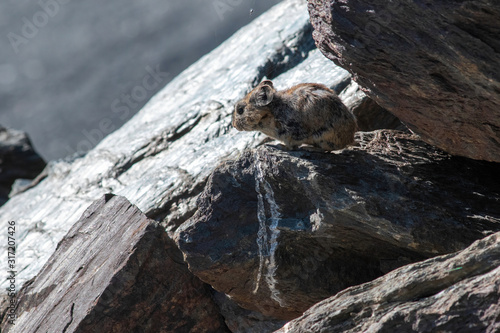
(308,113)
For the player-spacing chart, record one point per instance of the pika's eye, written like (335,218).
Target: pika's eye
(240,109)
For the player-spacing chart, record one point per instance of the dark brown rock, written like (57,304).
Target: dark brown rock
(369,115)
(280,230)
(18,160)
(115,271)
(240,320)
(454,293)
(434,64)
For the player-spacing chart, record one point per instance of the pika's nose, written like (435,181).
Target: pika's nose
(234,122)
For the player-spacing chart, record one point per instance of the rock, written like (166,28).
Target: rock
(160,160)
(115,271)
(453,293)
(369,115)
(434,65)
(18,160)
(279,230)
(240,320)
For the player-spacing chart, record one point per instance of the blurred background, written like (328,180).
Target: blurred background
(72,72)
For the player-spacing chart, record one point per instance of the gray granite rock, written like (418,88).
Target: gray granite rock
(240,320)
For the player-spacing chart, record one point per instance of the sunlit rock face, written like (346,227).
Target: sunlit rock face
(160,160)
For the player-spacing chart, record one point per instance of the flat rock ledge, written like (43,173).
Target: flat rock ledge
(280,230)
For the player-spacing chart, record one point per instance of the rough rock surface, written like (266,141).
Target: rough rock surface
(459,292)
(115,271)
(18,160)
(160,159)
(241,320)
(433,64)
(369,115)
(271,225)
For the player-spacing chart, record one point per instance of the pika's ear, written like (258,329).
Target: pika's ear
(264,94)
(267,83)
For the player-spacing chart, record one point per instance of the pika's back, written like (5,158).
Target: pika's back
(315,102)
(308,113)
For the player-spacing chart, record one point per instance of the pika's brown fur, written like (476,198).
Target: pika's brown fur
(308,113)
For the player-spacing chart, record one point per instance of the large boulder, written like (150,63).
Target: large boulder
(432,64)
(115,271)
(281,230)
(453,293)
